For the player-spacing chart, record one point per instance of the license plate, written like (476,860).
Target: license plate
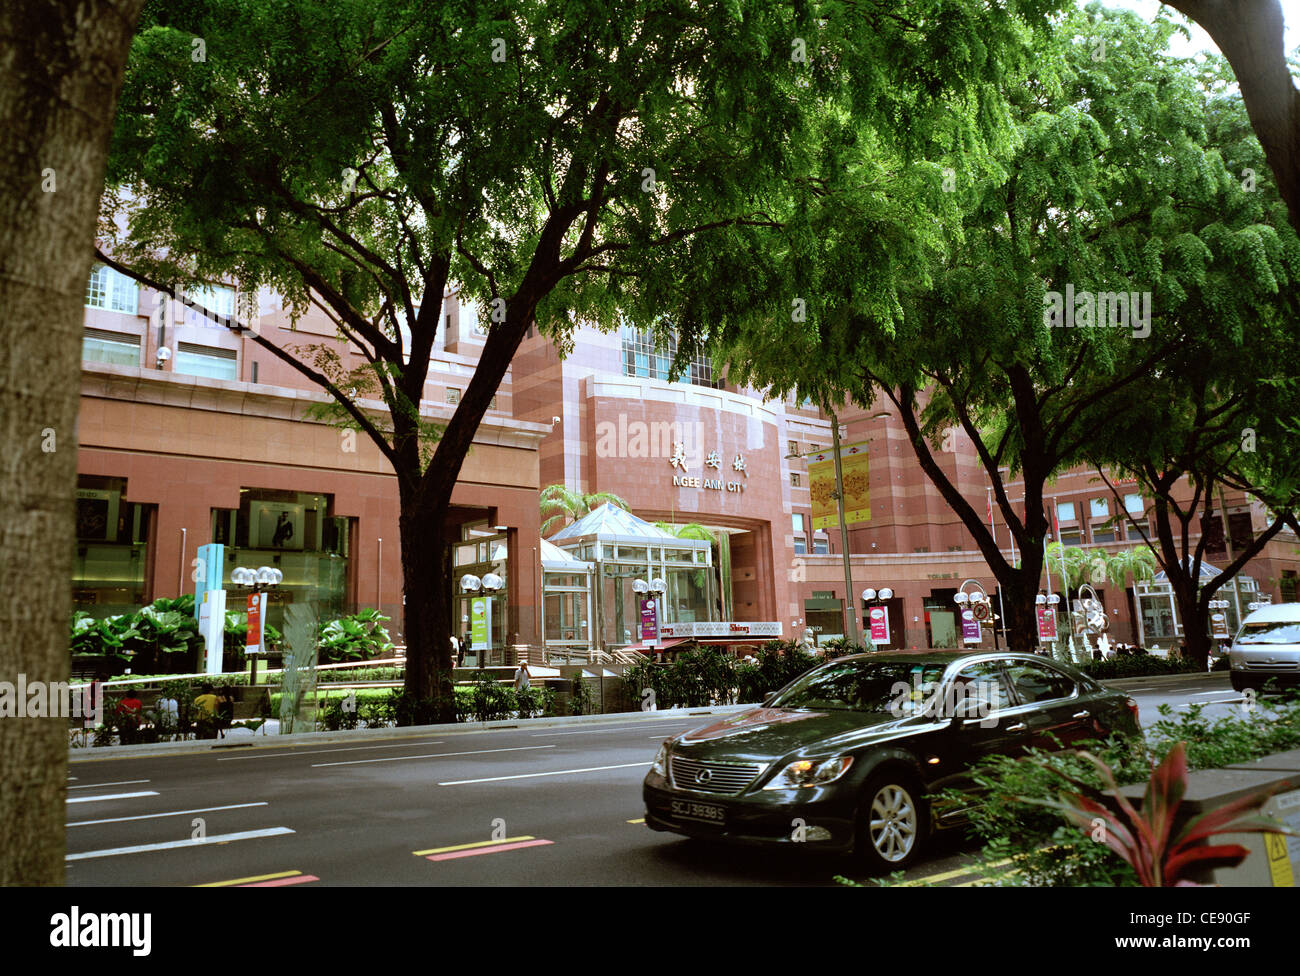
(700,812)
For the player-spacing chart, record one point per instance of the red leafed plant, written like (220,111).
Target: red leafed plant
(1145,838)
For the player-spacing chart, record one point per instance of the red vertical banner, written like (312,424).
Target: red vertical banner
(253,642)
(1046,624)
(879,617)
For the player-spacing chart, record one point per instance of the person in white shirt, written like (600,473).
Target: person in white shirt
(522,682)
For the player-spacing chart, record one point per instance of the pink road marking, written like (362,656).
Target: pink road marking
(494,849)
(280,882)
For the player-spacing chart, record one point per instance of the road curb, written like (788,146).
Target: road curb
(244,743)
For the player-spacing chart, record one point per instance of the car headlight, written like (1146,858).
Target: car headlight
(660,765)
(805,773)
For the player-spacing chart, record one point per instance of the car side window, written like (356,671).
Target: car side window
(982,682)
(1039,683)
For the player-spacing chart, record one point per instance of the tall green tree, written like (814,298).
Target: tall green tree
(560,160)
(1113,187)
(1223,413)
(61,68)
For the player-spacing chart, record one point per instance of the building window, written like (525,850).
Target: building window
(794,447)
(1071,537)
(1100,508)
(797,519)
(642,358)
(820,546)
(794,480)
(1133,504)
(209,361)
(1135,531)
(800,545)
(453,395)
(98,346)
(1103,535)
(217,299)
(111,290)
(1065,511)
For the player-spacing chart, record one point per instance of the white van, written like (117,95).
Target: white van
(1267,647)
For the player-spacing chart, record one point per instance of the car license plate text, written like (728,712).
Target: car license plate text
(703,812)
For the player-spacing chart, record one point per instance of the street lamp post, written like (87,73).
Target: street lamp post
(851,618)
(976,603)
(1050,600)
(257,581)
(850,614)
(878,613)
(488,587)
(653,603)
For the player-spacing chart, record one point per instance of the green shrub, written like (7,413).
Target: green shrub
(581,699)
(356,637)
(1137,666)
(1045,848)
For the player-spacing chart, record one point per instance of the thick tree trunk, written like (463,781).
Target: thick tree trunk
(429,626)
(61,68)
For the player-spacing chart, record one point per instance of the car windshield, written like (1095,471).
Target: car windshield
(1270,632)
(880,687)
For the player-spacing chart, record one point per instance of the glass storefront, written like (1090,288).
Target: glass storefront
(113,537)
(480,556)
(295,533)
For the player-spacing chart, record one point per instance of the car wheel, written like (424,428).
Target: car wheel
(892,823)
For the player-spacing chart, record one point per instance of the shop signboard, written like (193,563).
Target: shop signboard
(256,613)
(970,627)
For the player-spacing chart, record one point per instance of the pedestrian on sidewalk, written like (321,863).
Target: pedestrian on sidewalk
(522,682)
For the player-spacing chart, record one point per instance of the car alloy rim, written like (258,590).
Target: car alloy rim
(893,823)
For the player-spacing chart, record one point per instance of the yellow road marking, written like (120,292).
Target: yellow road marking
(466,847)
(971,869)
(641,820)
(239,881)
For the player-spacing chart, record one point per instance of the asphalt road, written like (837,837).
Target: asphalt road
(520,806)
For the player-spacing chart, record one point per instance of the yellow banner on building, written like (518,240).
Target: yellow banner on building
(855,470)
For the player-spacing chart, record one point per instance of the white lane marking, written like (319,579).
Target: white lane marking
(436,755)
(625,728)
(95,786)
(556,772)
(188,842)
(1206,694)
(110,796)
(173,813)
(315,752)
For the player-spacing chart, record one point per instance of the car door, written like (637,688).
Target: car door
(1051,705)
(998,730)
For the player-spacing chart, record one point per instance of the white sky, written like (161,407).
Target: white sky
(1201,40)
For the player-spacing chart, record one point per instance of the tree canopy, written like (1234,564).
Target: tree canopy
(1113,240)
(555,160)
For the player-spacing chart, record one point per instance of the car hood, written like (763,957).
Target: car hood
(765,734)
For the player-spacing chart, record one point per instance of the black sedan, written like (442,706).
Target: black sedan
(843,758)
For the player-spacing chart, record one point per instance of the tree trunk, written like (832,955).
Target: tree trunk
(428,622)
(61,68)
